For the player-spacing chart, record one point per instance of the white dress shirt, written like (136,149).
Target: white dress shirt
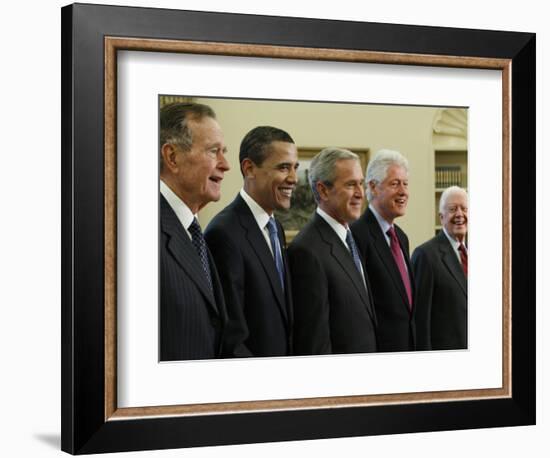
(385,226)
(455,244)
(261,217)
(341,232)
(182,211)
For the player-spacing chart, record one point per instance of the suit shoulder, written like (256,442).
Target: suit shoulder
(305,239)
(401,232)
(223,221)
(360,224)
(426,248)
(361,230)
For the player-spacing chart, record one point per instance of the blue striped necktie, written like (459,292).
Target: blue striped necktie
(200,246)
(353,250)
(276,247)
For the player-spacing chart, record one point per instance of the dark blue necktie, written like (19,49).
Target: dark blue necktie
(200,247)
(353,250)
(276,247)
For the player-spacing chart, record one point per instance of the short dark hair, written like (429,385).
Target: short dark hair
(255,144)
(174,126)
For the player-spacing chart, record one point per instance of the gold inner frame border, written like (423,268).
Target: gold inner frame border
(114,44)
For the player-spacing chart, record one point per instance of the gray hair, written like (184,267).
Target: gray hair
(377,170)
(322,167)
(174,124)
(450,191)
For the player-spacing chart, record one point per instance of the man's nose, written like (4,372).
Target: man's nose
(223,164)
(292,176)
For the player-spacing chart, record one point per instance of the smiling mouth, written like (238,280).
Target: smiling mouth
(287,192)
(401,201)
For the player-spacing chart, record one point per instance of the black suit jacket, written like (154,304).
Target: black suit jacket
(396,327)
(442,296)
(332,307)
(259,310)
(192,317)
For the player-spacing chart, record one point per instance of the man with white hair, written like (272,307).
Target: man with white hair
(441,270)
(385,249)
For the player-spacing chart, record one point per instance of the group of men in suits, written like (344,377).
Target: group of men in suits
(344,285)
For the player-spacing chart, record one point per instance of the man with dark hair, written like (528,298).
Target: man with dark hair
(248,245)
(333,306)
(193,163)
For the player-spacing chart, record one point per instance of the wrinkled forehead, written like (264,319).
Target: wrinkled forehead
(202,122)
(457,199)
(396,171)
(348,168)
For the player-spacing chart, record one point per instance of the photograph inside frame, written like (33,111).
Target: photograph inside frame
(309,228)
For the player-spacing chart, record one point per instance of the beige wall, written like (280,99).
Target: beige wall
(406,129)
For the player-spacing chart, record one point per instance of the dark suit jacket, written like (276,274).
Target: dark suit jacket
(396,328)
(333,310)
(192,318)
(260,312)
(442,296)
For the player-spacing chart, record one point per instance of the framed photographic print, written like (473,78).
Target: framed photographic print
(460,102)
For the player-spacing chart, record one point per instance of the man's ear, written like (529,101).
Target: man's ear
(248,168)
(322,190)
(372,187)
(169,153)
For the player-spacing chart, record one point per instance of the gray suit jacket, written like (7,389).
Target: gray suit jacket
(442,296)
(192,317)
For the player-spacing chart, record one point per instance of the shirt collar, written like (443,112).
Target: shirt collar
(384,225)
(260,215)
(454,242)
(182,211)
(339,228)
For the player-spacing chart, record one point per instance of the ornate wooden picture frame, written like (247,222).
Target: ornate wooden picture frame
(92,421)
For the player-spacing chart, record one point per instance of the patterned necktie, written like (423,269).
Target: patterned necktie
(400,262)
(200,247)
(353,250)
(276,247)
(463,258)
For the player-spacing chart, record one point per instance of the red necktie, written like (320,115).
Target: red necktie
(400,262)
(463,258)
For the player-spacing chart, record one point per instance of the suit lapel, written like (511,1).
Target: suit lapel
(258,243)
(384,251)
(288,283)
(342,255)
(405,250)
(450,261)
(183,251)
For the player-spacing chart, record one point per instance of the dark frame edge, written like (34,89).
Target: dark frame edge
(67,385)
(96,435)
(524,210)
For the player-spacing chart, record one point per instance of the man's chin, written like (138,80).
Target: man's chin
(214,197)
(353,216)
(460,234)
(283,205)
